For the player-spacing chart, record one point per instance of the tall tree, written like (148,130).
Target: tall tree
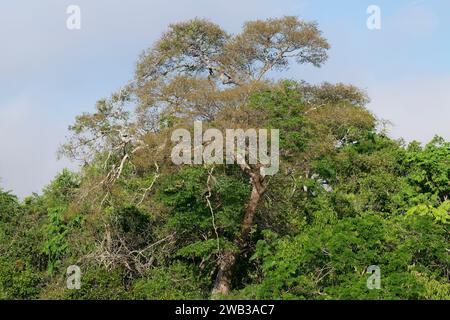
(197,71)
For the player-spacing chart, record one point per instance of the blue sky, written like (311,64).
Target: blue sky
(49,74)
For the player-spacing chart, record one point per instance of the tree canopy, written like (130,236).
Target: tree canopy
(140,227)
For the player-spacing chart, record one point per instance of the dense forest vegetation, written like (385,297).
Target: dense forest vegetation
(346,196)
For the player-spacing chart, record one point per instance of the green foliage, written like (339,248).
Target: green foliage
(18,280)
(331,262)
(429,169)
(57,196)
(369,202)
(96,284)
(440,214)
(20,259)
(55,245)
(282,109)
(9,206)
(178,281)
(346,195)
(185,193)
(203,234)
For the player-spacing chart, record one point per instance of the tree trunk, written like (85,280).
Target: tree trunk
(222,284)
(228,259)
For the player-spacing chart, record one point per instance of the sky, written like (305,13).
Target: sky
(49,74)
